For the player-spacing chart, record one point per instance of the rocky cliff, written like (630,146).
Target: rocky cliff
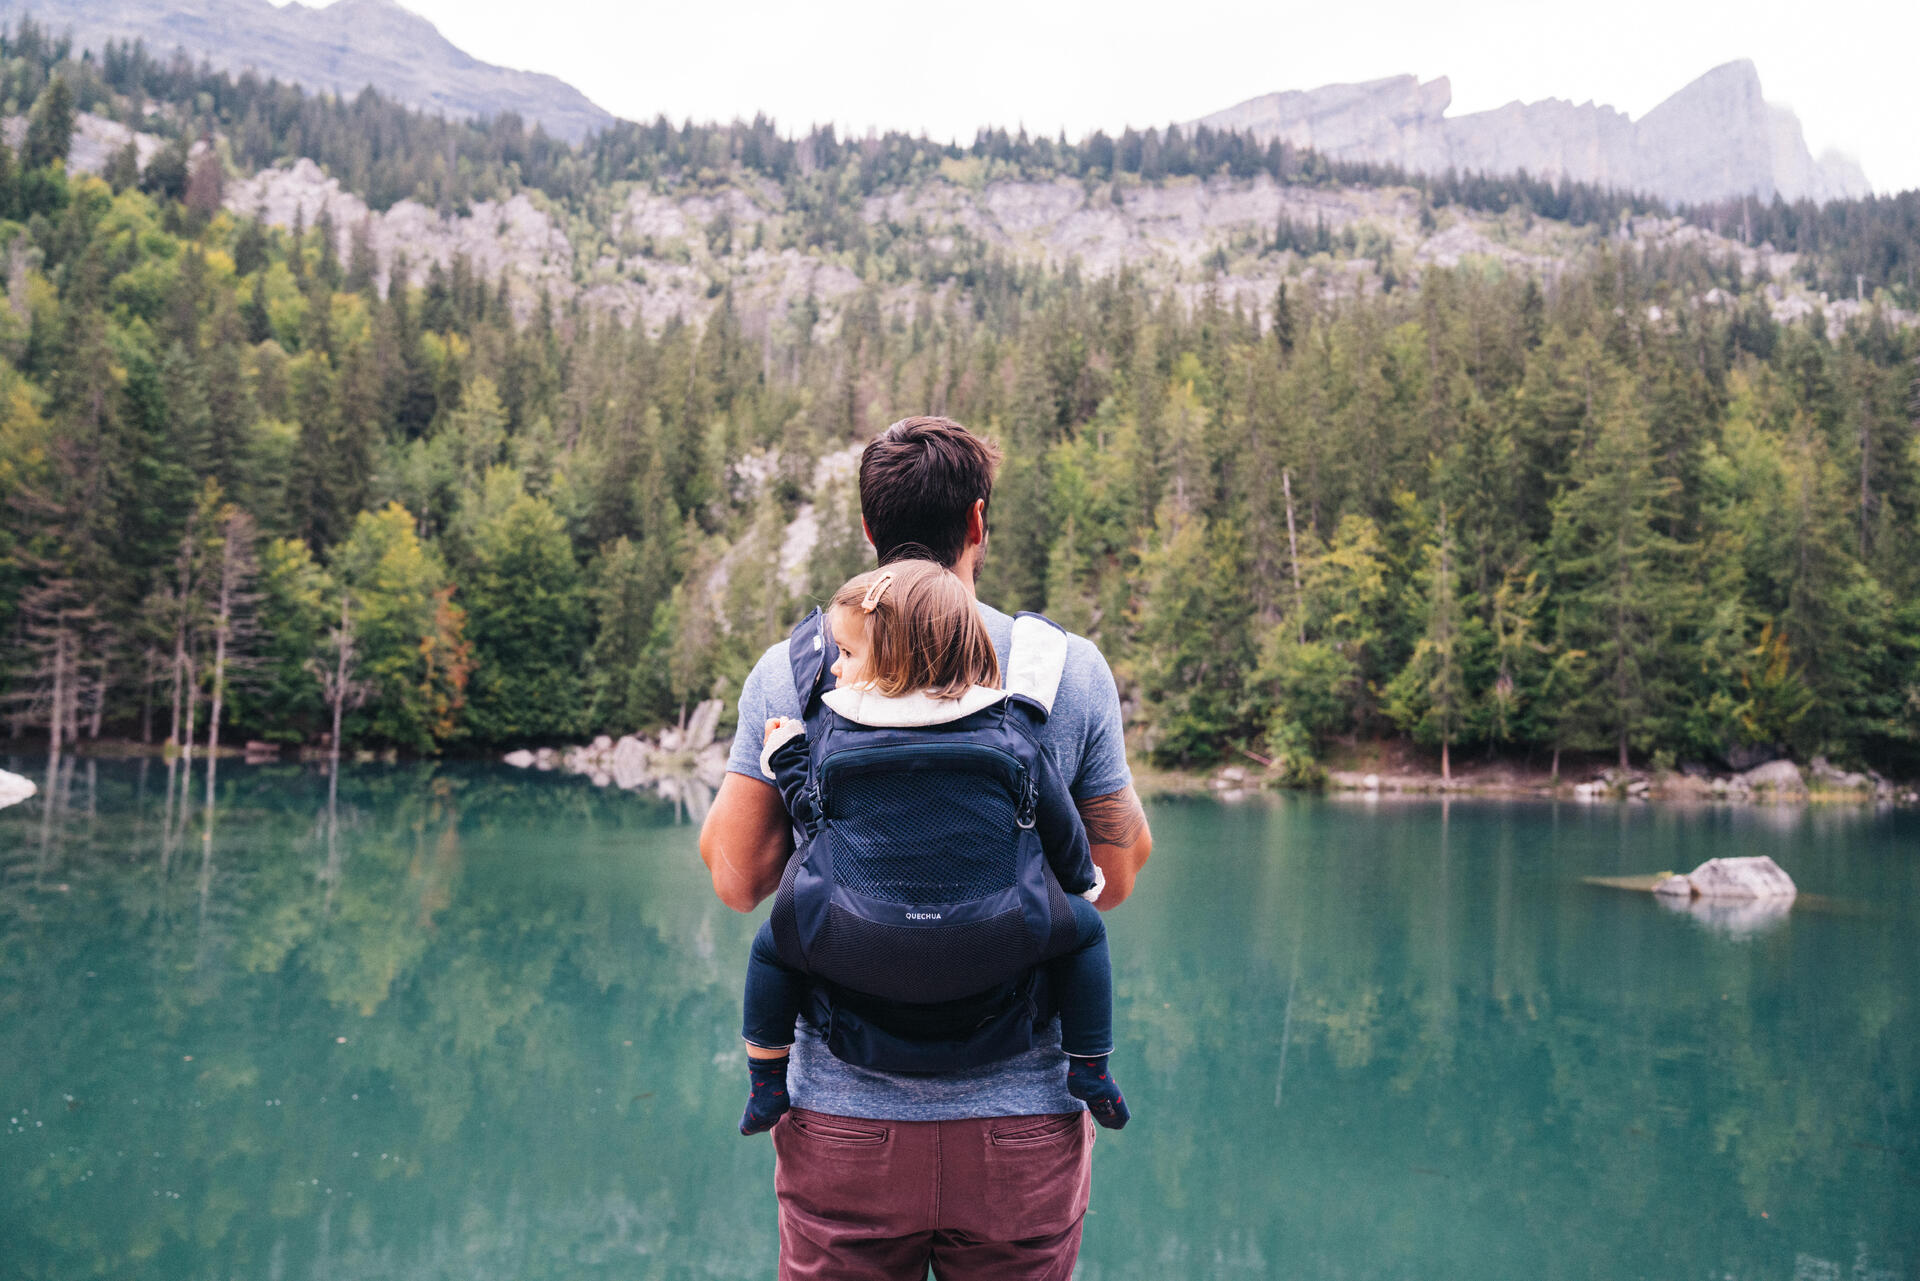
(644,255)
(343,47)
(1718,137)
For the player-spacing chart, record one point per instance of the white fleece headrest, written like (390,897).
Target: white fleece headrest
(863,706)
(1039,657)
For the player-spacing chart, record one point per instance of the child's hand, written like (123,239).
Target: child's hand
(773,723)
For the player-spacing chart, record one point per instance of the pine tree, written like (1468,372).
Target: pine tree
(1191,642)
(1429,698)
(1615,574)
(49,126)
(527,623)
(627,674)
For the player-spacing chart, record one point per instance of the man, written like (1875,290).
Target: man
(981,1173)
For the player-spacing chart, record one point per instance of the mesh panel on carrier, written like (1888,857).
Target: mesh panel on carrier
(924,837)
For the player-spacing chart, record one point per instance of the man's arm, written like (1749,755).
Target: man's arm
(745,841)
(1117,830)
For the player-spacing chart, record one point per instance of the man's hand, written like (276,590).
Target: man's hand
(1117,831)
(745,841)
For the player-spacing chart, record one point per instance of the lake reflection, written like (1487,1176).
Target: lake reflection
(469,1022)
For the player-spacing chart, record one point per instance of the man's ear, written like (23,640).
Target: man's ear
(977,523)
(867,534)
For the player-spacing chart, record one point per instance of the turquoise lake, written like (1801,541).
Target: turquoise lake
(459,1021)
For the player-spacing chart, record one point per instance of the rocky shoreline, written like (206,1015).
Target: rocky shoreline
(1780,781)
(1774,781)
(682,763)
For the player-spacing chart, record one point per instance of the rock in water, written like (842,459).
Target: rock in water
(1732,878)
(1733,896)
(520,759)
(14,789)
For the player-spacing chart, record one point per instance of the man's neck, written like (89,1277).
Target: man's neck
(967,570)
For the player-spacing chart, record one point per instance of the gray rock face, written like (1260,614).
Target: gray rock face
(343,47)
(95,140)
(1716,138)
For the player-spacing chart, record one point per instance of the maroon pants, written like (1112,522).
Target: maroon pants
(1000,1197)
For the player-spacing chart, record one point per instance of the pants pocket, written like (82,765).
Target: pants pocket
(1040,1172)
(1034,1131)
(839,1178)
(836,1131)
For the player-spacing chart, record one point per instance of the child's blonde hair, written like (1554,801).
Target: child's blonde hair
(923,630)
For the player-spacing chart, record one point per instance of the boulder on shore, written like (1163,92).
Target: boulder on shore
(703,725)
(630,762)
(14,789)
(1838,780)
(693,754)
(1732,878)
(1775,776)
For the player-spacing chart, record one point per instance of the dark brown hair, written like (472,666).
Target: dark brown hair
(918,481)
(924,631)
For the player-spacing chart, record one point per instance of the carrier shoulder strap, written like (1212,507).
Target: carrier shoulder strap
(811,653)
(1036,661)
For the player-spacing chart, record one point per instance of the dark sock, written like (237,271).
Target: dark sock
(1089,1081)
(768,1097)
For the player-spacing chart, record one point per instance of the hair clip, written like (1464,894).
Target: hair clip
(875,590)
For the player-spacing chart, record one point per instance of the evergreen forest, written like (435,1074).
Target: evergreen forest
(245,493)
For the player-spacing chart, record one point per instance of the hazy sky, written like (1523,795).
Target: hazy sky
(1845,66)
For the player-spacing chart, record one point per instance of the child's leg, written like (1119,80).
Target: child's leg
(774,994)
(1082,985)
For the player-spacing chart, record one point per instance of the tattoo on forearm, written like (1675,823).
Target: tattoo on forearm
(1114,819)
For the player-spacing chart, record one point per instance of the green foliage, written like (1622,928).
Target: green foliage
(297,603)
(1618,576)
(1192,648)
(627,672)
(49,126)
(527,621)
(1429,697)
(410,635)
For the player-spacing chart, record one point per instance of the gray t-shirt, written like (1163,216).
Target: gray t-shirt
(1086,740)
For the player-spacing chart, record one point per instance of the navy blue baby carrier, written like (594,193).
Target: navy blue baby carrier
(919,900)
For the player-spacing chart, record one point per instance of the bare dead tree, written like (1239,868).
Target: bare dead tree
(1293,553)
(178,606)
(57,626)
(233,620)
(338,684)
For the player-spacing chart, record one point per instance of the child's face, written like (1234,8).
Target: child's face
(850,635)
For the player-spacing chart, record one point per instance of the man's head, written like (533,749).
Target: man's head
(924,488)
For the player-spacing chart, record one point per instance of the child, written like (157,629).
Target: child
(917,673)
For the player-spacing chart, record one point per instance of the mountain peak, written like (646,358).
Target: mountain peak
(1715,138)
(339,47)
